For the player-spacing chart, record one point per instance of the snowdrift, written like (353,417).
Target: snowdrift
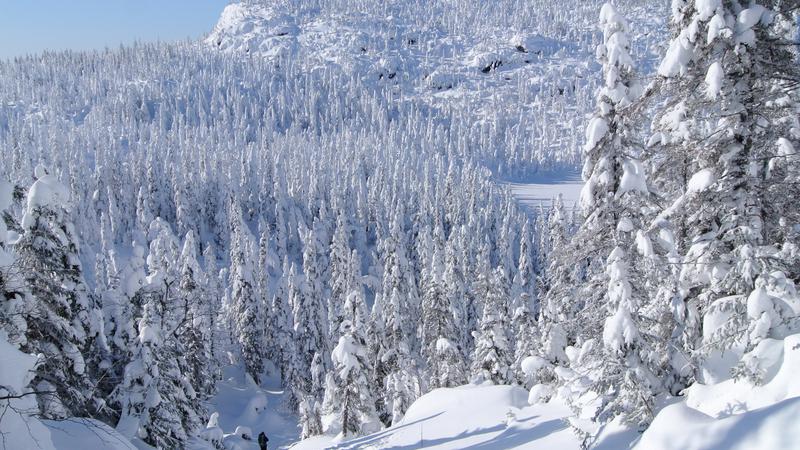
(737,414)
(482,417)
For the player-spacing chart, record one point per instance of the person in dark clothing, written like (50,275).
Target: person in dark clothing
(262,440)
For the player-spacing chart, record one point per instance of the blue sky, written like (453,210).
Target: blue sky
(30,26)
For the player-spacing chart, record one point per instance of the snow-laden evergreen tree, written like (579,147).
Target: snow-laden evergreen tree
(63,321)
(197,325)
(310,418)
(158,402)
(266,265)
(730,109)
(395,366)
(246,313)
(456,288)
(523,306)
(440,338)
(122,306)
(342,276)
(614,298)
(309,305)
(289,359)
(12,307)
(492,358)
(347,393)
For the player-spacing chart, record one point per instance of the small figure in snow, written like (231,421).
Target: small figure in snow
(262,440)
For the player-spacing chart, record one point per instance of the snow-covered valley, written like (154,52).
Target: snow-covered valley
(439,224)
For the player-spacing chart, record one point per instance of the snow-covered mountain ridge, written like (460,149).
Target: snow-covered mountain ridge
(524,65)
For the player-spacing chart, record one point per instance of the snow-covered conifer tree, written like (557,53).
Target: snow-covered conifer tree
(492,359)
(246,314)
(445,364)
(355,409)
(63,321)
(727,76)
(12,312)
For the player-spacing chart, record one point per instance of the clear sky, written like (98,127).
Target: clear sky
(30,26)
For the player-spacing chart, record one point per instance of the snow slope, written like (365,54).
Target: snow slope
(480,417)
(84,434)
(727,415)
(239,402)
(527,69)
(679,427)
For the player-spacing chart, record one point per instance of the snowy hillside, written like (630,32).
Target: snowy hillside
(525,65)
(482,417)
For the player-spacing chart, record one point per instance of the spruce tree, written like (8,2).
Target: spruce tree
(246,312)
(492,358)
(354,409)
(727,77)
(63,321)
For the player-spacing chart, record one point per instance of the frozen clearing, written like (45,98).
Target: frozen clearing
(542,188)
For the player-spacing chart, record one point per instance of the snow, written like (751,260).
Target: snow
(680,427)
(750,17)
(633,177)
(149,334)
(676,60)
(759,302)
(714,79)
(625,225)
(20,428)
(47,191)
(727,396)
(701,180)
(707,8)
(83,434)
(470,416)
(595,132)
(717,28)
(239,402)
(543,188)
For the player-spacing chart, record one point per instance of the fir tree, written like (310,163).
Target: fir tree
(63,321)
(491,361)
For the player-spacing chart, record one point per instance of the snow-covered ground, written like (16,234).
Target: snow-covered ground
(479,417)
(543,188)
(85,434)
(730,414)
(241,403)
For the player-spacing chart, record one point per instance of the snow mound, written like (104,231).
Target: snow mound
(681,427)
(470,416)
(780,362)
(737,414)
(80,433)
(20,428)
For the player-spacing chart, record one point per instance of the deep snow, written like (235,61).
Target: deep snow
(241,403)
(479,417)
(543,188)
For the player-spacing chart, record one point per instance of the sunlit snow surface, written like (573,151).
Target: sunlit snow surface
(544,187)
(240,402)
(477,417)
